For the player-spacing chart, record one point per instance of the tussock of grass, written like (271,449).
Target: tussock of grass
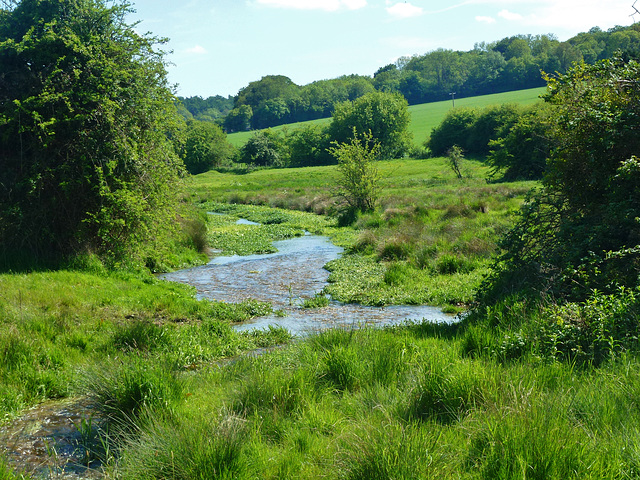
(401,402)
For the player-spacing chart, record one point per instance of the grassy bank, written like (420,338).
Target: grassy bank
(429,242)
(55,325)
(403,403)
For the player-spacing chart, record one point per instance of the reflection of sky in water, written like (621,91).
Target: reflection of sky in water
(285,279)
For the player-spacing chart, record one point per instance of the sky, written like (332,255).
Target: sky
(219,46)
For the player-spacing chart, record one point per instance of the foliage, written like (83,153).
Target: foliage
(359,180)
(84,112)
(512,63)
(205,147)
(308,146)
(206,109)
(384,116)
(265,148)
(455,156)
(580,232)
(523,148)
(455,129)
(238,119)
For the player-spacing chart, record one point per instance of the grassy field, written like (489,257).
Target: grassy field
(430,241)
(426,116)
(490,400)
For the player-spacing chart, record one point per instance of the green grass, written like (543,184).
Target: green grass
(401,403)
(429,242)
(55,324)
(425,116)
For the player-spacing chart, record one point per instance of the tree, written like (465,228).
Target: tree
(85,110)
(581,231)
(205,147)
(523,147)
(455,129)
(455,155)
(376,116)
(265,148)
(308,146)
(359,181)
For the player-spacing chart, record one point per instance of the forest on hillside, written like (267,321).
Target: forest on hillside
(512,63)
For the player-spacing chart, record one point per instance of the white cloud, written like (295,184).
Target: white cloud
(483,19)
(198,50)
(326,5)
(404,10)
(507,15)
(581,14)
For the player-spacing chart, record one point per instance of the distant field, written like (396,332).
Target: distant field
(427,115)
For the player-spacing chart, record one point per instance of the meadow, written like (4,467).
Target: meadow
(425,116)
(429,242)
(185,396)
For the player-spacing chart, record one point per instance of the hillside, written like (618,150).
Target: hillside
(425,116)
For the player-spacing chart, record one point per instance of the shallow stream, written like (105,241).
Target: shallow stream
(296,272)
(48,440)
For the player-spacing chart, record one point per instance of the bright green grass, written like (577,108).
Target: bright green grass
(53,325)
(425,116)
(400,403)
(430,242)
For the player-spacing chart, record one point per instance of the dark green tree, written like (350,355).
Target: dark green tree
(455,129)
(85,110)
(523,146)
(205,147)
(265,148)
(581,231)
(385,116)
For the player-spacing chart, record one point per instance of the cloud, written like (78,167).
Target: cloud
(507,15)
(483,19)
(197,50)
(405,10)
(326,5)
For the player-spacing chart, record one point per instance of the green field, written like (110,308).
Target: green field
(426,116)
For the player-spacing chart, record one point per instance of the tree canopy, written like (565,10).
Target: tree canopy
(385,116)
(581,231)
(85,113)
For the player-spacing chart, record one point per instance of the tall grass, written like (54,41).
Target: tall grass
(403,402)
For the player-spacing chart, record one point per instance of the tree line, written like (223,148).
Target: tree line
(512,63)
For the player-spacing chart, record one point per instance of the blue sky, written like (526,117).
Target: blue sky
(219,46)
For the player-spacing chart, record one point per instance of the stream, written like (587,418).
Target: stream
(296,272)
(47,441)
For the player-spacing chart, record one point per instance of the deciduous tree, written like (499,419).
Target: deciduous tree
(85,109)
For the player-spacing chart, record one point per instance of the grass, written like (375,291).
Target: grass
(424,117)
(53,323)
(394,403)
(429,242)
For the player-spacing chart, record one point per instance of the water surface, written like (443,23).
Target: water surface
(285,279)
